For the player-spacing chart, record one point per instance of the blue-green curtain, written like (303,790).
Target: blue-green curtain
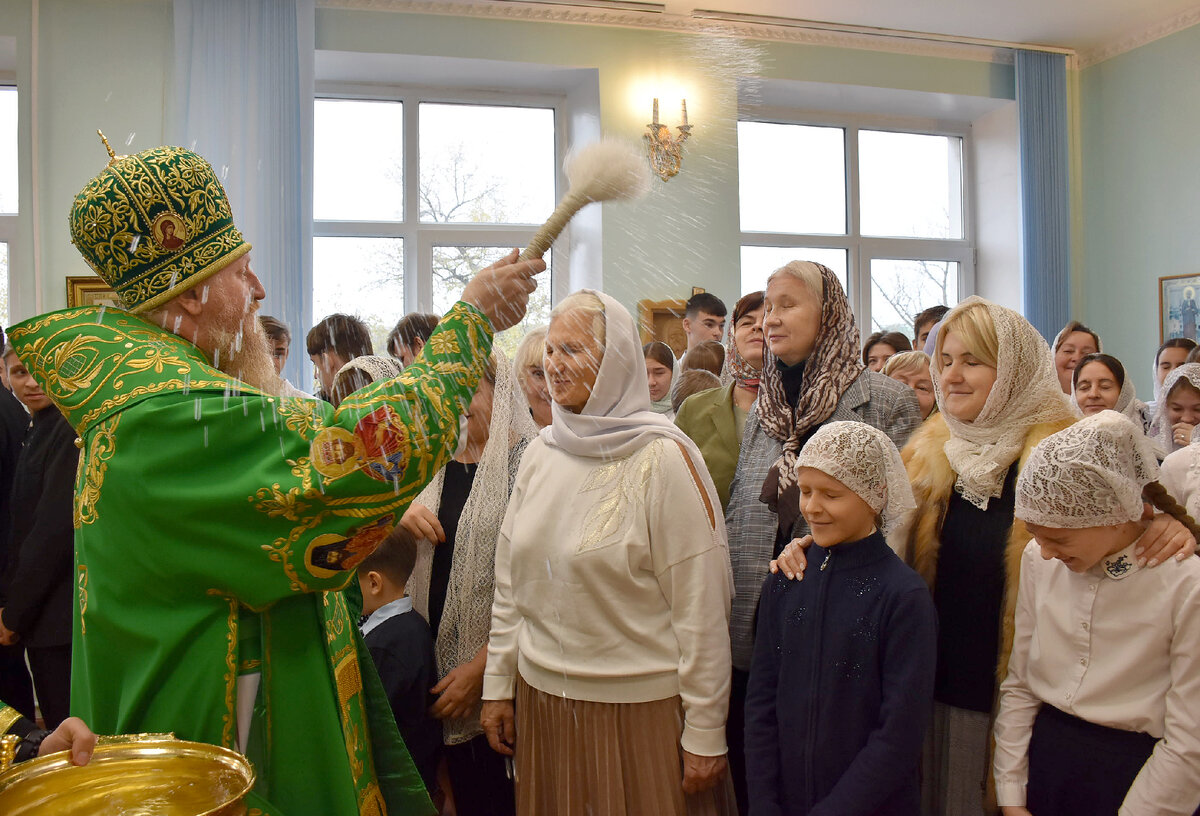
(1045,195)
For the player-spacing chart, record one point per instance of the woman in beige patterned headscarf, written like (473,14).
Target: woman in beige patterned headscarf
(811,374)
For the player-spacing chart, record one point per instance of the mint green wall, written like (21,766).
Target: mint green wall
(686,232)
(1140,142)
(101,64)
(108,64)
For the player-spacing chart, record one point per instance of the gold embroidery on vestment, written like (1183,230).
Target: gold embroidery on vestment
(8,718)
(83,596)
(229,718)
(92,467)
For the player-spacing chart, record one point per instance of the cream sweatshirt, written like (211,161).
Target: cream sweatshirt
(613,585)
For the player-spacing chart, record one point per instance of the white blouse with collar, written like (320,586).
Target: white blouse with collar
(1118,646)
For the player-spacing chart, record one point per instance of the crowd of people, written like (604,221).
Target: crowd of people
(781,572)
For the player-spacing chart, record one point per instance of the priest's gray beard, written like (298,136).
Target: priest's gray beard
(243,352)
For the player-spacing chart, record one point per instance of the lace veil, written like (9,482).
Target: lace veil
(864,459)
(1026,393)
(467,615)
(1088,475)
(1161,431)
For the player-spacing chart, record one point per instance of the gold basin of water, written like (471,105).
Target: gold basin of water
(141,775)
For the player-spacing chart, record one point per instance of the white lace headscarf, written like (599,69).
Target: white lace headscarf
(467,614)
(1088,475)
(1026,393)
(1163,433)
(865,460)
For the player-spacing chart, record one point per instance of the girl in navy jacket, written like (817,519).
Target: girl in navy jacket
(841,686)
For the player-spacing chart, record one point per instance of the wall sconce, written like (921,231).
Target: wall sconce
(666,151)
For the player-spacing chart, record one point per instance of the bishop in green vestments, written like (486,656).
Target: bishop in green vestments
(215,521)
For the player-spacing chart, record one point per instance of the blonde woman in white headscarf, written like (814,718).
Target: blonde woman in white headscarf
(610,623)
(998,395)
(457,520)
(1124,733)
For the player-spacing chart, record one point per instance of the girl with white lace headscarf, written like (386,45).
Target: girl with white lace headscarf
(609,653)
(1125,734)
(457,519)
(1177,413)
(842,679)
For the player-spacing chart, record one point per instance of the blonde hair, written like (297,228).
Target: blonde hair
(529,353)
(974,325)
(807,273)
(590,305)
(905,361)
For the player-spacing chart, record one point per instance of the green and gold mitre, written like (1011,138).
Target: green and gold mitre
(154,225)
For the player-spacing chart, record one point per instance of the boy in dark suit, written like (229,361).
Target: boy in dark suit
(402,647)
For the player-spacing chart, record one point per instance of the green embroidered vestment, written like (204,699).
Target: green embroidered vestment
(203,505)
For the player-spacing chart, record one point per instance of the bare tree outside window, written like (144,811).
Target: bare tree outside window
(468,175)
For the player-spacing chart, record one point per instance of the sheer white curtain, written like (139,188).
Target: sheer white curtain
(1045,197)
(243,99)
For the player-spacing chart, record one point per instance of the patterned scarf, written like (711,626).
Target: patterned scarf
(831,367)
(737,369)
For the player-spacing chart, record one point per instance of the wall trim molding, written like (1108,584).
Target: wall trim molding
(682,24)
(1144,36)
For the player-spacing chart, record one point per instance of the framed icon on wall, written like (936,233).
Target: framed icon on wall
(1179,307)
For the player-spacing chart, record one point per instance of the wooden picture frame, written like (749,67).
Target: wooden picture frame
(90,290)
(663,320)
(1179,307)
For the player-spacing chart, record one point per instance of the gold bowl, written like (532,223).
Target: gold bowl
(141,775)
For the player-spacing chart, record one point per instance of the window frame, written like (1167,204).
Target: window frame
(862,250)
(10,222)
(420,238)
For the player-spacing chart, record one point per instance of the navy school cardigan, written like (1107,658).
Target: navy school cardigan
(841,686)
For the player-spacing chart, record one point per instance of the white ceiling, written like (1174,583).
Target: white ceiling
(1077,24)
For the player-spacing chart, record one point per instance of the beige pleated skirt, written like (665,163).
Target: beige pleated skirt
(578,758)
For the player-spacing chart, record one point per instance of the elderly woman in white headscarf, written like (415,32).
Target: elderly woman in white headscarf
(457,520)
(610,621)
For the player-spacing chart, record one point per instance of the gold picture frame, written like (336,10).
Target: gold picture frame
(90,290)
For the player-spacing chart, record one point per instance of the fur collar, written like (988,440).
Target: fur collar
(932,482)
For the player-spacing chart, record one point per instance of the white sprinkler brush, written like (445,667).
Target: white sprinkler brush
(604,171)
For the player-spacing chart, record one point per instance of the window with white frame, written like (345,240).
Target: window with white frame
(883,208)
(414,193)
(8,189)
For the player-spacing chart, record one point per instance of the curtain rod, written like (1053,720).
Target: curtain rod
(873,31)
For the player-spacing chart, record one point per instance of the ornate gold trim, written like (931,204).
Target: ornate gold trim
(93,466)
(8,718)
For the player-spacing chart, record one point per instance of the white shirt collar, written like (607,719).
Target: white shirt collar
(1119,564)
(389,610)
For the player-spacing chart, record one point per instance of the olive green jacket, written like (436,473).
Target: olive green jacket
(709,419)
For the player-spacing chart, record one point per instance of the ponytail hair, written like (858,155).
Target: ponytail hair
(1158,496)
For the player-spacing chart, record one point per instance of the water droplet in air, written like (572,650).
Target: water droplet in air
(129,139)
